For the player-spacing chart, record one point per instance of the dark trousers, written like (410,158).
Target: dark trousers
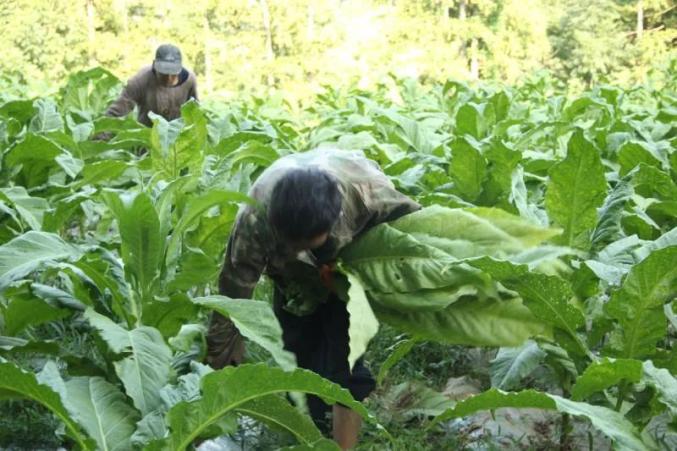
(320,342)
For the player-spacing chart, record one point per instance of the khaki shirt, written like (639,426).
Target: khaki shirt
(368,198)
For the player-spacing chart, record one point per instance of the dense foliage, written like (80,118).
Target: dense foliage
(301,45)
(549,231)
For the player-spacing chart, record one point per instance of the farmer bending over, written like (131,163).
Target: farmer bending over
(161,88)
(308,207)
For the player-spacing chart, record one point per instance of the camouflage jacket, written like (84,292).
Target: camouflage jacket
(369,198)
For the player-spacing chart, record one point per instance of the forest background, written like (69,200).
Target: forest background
(296,47)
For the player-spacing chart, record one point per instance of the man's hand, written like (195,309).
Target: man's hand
(225,345)
(327,276)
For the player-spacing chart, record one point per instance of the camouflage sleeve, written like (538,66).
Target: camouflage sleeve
(245,257)
(384,202)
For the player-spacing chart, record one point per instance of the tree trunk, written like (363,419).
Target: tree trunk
(474,59)
(267,28)
(463,47)
(640,19)
(91,33)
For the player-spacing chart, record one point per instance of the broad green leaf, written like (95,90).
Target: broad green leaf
(15,383)
(145,367)
(27,310)
(256,152)
(664,383)
(576,189)
(398,352)
(276,412)
(468,168)
(519,196)
(611,423)
(177,146)
(30,209)
(37,155)
(168,316)
(102,410)
(473,232)
(388,260)
(469,121)
(47,118)
(511,365)
(28,252)
(142,246)
(233,387)
(363,324)
(256,321)
(650,181)
(195,208)
(469,322)
(547,297)
(632,154)
(604,374)
(608,227)
(502,162)
(638,304)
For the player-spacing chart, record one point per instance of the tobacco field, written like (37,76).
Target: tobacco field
(547,246)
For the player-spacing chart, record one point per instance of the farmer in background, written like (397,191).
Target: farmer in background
(161,88)
(308,207)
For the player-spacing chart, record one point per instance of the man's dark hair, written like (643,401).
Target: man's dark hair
(304,204)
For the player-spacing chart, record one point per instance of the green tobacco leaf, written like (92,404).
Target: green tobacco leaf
(178,145)
(650,181)
(276,412)
(363,323)
(632,153)
(388,260)
(470,322)
(30,209)
(168,316)
(15,383)
(233,387)
(502,162)
(47,118)
(638,304)
(28,310)
(473,232)
(608,227)
(469,121)
(145,369)
(611,423)
(604,374)
(28,252)
(576,189)
(37,155)
(195,208)
(398,352)
(102,410)
(547,297)
(664,383)
(256,321)
(142,246)
(468,168)
(511,365)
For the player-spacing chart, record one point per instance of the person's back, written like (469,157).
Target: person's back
(162,88)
